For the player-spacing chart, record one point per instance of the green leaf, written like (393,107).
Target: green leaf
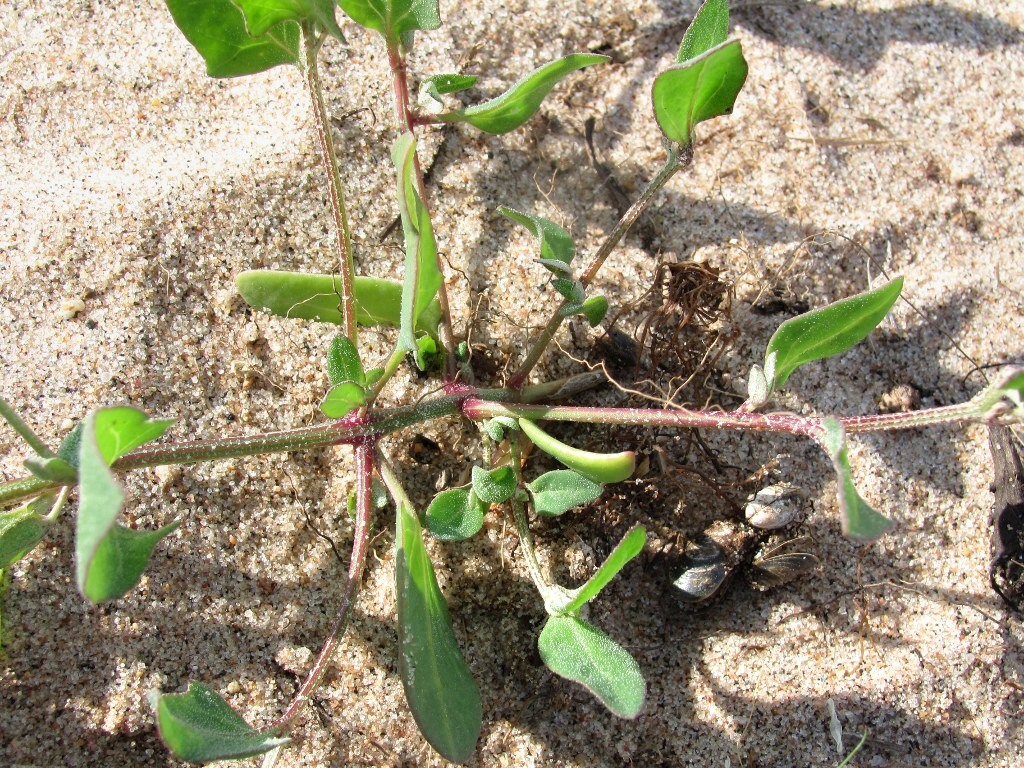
(341,399)
(710,27)
(455,514)
(860,521)
(110,558)
(599,467)
(68,449)
(316,297)
(519,103)
(426,354)
(263,15)
(440,690)
(200,726)
(396,20)
(630,546)
(594,309)
(582,653)
(557,248)
(697,90)
(559,491)
(827,331)
(434,87)
(53,469)
(120,559)
(422,278)
(23,528)
(494,486)
(216,28)
(343,363)
(572,291)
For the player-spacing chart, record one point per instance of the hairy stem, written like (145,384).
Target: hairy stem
(35,442)
(407,122)
(329,158)
(365,451)
(674,164)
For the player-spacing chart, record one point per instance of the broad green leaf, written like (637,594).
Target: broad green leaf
(556,245)
(710,27)
(53,469)
(494,486)
(519,103)
(827,331)
(396,20)
(573,292)
(455,514)
(263,15)
(22,528)
(580,652)
(697,90)
(440,690)
(559,491)
(599,467)
(120,559)
(422,278)
(109,557)
(343,363)
(316,297)
(630,546)
(216,28)
(341,399)
(860,521)
(200,726)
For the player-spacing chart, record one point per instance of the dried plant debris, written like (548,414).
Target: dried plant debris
(1007,567)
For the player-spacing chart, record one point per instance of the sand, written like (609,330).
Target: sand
(873,138)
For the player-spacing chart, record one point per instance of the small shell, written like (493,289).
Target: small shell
(773,507)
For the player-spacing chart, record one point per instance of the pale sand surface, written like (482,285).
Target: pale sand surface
(891,133)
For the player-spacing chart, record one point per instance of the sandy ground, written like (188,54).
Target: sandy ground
(873,138)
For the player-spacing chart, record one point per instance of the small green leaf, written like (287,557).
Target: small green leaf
(433,88)
(826,331)
(396,20)
(494,486)
(316,297)
(518,104)
(710,27)
(556,245)
(573,292)
(438,685)
(426,354)
(577,651)
(630,546)
(559,491)
(594,309)
(1002,402)
(200,726)
(697,90)
(495,428)
(860,521)
(116,554)
(216,28)
(23,528)
(599,467)
(343,363)
(263,15)
(53,469)
(341,399)
(68,449)
(422,277)
(455,514)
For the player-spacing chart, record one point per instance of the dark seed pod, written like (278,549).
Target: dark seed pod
(711,558)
